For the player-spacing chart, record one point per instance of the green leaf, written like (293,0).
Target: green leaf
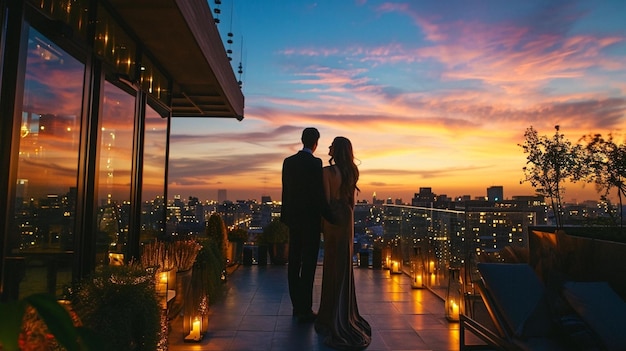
(11,324)
(57,319)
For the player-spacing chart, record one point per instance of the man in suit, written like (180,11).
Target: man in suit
(302,206)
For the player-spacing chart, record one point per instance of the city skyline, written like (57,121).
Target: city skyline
(222,195)
(432,94)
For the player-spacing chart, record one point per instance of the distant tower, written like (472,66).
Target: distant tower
(21,190)
(374,198)
(495,193)
(221,195)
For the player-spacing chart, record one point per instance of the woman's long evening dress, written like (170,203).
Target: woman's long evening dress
(338,320)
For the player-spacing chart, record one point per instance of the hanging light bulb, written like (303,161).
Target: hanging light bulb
(217,11)
(240,70)
(229,51)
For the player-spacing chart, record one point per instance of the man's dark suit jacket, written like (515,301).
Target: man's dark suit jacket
(303,193)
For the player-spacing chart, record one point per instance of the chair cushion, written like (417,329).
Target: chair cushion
(520,298)
(602,309)
(577,333)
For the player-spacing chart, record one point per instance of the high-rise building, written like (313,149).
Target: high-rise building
(21,190)
(425,197)
(495,193)
(221,195)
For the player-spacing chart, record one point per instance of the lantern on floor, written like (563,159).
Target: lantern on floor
(387,257)
(395,267)
(116,259)
(193,328)
(161,283)
(417,269)
(196,321)
(164,285)
(454,295)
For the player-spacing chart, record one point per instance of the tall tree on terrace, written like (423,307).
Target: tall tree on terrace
(550,162)
(607,163)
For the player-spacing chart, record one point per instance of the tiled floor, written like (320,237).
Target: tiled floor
(256,315)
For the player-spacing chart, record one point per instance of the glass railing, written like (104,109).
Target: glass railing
(436,246)
(436,243)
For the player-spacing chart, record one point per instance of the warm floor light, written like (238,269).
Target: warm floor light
(454,295)
(395,267)
(116,259)
(194,333)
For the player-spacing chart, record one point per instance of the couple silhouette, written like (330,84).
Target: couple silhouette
(316,200)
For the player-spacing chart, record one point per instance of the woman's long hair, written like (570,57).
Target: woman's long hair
(343,157)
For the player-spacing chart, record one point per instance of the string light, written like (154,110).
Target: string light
(217,11)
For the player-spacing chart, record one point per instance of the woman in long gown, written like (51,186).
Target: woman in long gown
(338,319)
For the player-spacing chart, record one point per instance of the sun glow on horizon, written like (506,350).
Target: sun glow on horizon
(430,97)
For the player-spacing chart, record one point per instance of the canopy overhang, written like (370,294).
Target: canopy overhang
(183,37)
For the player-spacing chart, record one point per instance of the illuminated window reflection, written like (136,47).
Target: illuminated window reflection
(153,81)
(153,187)
(72,12)
(45,197)
(114,45)
(115,141)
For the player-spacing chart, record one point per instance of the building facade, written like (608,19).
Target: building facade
(87,92)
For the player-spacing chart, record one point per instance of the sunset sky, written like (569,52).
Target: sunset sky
(432,93)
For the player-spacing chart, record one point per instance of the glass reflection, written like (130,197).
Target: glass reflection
(115,142)
(154,81)
(114,45)
(41,240)
(72,12)
(153,187)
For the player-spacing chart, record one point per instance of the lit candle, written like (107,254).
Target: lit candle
(195,329)
(431,266)
(162,284)
(454,313)
(419,280)
(395,267)
(116,259)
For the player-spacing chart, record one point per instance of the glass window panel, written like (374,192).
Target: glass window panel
(41,238)
(153,187)
(115,141)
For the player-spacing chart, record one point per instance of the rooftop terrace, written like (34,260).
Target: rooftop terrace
(256,315)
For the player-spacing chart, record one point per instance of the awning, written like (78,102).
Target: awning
(183,37)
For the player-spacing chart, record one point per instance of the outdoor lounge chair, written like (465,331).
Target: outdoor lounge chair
(515,300)
(528,317)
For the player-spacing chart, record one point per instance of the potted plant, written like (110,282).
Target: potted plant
(206,285)
(236,238)
(216,229)
(120,305)
(276,236)
(41,322)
